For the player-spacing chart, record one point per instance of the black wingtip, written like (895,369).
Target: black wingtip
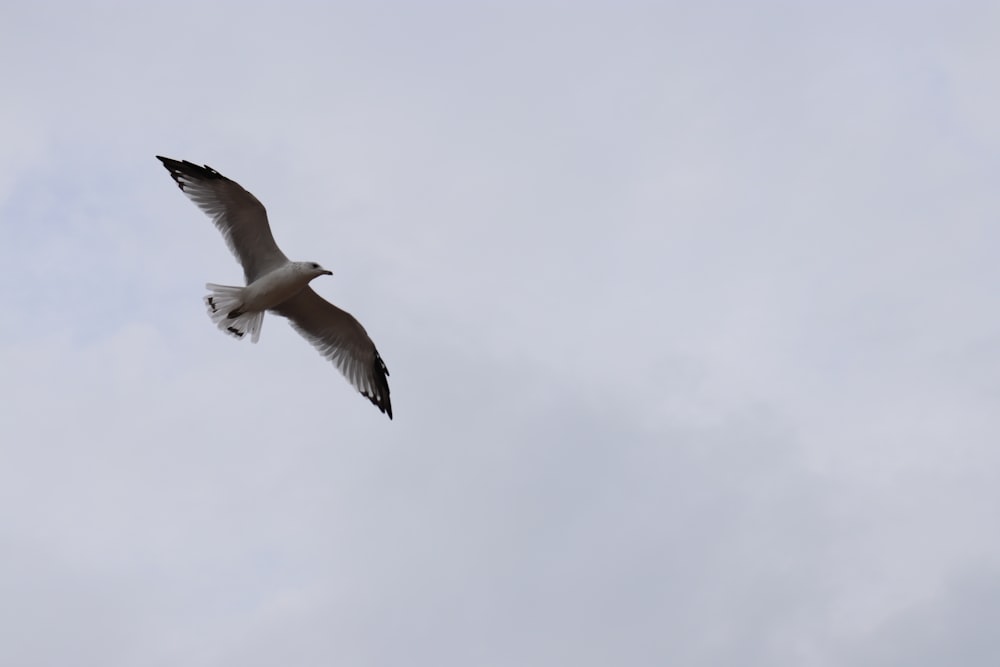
(381,401)
(185,168)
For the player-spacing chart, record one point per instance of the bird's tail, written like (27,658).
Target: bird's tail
(224,305)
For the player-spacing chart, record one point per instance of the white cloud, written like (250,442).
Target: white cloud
(687,312)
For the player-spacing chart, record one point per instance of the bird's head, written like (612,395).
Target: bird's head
(313,270)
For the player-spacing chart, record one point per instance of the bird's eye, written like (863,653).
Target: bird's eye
(315,265)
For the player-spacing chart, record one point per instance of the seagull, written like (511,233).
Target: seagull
(276,284)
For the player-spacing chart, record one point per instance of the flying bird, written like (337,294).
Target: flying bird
(275,283)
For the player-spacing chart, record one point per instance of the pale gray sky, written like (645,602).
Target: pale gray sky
(690,310)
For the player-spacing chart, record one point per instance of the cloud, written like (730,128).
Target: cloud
(687,312)
(952,624)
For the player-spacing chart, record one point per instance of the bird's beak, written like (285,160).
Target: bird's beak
(327,273)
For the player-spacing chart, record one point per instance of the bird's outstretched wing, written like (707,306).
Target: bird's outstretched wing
(240,217)
(341,339)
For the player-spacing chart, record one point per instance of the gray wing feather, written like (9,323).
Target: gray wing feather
(239,215)
(341,339)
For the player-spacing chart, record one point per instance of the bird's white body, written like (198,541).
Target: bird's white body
(280,285)
(239,311)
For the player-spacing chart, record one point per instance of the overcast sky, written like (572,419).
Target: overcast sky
(690,308)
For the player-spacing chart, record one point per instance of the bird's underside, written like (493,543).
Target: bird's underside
(274,283)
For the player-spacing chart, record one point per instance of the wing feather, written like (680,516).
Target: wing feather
(236,213)
(339,337)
